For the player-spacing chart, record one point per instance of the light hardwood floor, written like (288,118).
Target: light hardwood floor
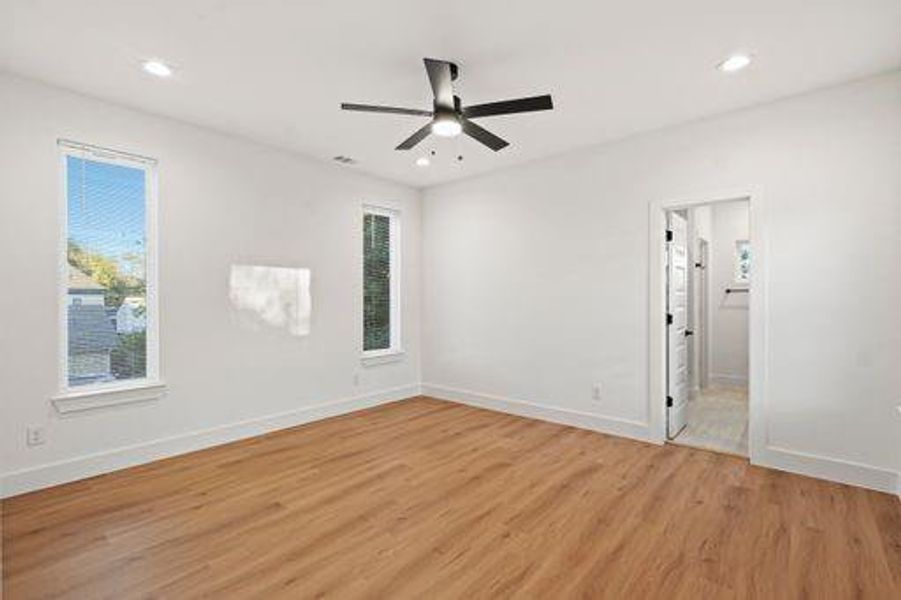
(427,499)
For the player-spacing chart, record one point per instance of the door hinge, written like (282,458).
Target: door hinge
(669,319)
(669,235)
(669,401)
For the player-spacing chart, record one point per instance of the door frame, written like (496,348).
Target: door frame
(657,371)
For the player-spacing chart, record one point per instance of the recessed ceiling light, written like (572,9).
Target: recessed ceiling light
(157,68)
(736,62)
(422,161)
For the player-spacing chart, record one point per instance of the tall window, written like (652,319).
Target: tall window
(742,261)
(107,293)
(381,282)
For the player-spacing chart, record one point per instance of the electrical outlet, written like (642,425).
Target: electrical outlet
(35,436)
(596,391)
(356,379)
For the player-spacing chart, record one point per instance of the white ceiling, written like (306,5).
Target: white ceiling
(276,70)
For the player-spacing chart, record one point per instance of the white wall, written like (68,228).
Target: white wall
(223,200)
(728,312)
(536,277)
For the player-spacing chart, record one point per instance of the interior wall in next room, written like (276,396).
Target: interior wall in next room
(700,230)
(728,314)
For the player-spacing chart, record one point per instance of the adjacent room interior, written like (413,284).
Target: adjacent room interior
(406,300)
(708,292)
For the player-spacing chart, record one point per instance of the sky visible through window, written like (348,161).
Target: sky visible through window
(107,210)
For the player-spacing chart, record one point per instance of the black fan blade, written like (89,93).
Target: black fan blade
(507,107)
(483,135)
(386,109)
(417,137)
(440,77)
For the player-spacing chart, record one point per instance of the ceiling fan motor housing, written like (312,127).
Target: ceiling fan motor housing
(444,111)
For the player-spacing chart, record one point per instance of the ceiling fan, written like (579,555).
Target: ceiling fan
(449,116)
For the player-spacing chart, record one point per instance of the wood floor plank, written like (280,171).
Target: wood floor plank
(429,499)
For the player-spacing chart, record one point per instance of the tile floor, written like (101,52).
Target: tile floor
(718,420)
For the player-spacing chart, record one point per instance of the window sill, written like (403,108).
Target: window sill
(381,357)
(92,399)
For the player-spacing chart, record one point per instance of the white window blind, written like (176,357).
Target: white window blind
(381,281)
(108,289)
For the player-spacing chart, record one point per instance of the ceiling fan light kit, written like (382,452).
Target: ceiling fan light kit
(446,125)
(449,117)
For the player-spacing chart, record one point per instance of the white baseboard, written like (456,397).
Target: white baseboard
(635,430)
(831,469)
(43,476)
(820,467)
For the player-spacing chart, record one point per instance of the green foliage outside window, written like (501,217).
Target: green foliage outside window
(129,359)
(106,272)
(376,282)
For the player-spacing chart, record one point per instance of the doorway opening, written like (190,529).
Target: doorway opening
(708,291)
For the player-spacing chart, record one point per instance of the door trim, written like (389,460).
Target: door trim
(757,422)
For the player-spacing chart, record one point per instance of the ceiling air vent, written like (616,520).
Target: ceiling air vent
(344,160)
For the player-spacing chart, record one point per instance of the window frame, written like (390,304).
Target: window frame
(395,349)
(94,395)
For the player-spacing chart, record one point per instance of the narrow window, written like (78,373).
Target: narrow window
(108,270)
(742,261)
(381,282)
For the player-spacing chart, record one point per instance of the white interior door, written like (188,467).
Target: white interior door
(677,325)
